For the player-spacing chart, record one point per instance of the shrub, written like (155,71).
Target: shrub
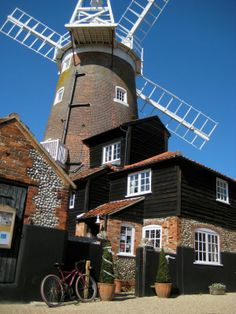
(107,271)
(163,273)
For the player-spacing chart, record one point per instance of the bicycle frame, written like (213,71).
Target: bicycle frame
(66,275)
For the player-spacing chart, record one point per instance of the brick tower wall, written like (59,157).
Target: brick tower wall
(93,108)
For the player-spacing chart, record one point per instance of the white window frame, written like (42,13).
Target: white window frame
(138,179)
(66,63)
(222,191)
(207,247)
(118,99)
(150,239)
(131,253)
(72,201)
(59,95)
(113,152)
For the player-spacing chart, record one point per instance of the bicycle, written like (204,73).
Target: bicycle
(55,288)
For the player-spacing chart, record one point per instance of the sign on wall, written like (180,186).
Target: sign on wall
(7,221)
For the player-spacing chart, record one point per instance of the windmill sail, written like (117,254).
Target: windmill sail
(33,34)
(138,19)
(183,119)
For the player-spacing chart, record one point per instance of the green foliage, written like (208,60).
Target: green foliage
(217,286)
(163,273)
(107,271)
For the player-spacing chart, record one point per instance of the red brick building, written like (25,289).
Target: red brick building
(33,185)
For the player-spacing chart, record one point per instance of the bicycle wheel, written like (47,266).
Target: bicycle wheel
(52,291)
(85,288)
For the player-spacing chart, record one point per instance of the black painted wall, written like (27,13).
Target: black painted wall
(148,139)
(40,248)
(198,197)
(187,277)
(163,201)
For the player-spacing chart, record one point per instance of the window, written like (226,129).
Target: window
(72,201)
(121,95)
(59,95)
(207,247)
(152,233)
(111,153)
(126,246)
(66,63)
(139,183)
(222,193)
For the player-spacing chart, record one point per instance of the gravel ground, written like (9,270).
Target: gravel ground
(187,304)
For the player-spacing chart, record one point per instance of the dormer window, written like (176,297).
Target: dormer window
(111,153)
(222,193)
(66,63)
(59,96)
(121,95)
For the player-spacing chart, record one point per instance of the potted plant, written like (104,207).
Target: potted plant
(106,286)
(163,283)
(118,275)
(217,288)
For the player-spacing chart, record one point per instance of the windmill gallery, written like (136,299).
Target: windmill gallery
(103,171)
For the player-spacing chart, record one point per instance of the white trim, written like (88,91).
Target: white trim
(139,183)
(131,253)
(112,146)
(153,227)
(200,259)
(118,52)
(224,191)
(59,95)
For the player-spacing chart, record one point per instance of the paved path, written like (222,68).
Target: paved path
(188,304)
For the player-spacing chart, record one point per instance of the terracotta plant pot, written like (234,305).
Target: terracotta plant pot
(106,291)
(118,285)
(163,290)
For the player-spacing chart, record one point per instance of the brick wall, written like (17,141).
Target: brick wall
(21,163)
(96,88)
(171,232)
(227,236)
(113,233)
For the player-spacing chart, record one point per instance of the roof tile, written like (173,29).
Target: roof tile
(112,207)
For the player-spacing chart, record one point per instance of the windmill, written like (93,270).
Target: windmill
(101,75)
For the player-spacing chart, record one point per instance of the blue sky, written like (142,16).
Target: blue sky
(190,51)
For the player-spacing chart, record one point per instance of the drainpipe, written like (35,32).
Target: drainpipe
(127,144)
(76,75)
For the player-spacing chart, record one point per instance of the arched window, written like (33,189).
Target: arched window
(153,233)
(206,246)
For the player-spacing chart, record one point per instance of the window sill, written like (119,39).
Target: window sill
(125,255)
(138,194)
(121,102)
(224,202)
(207,264)
(113,162)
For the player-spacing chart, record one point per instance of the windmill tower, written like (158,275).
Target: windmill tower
(98,62)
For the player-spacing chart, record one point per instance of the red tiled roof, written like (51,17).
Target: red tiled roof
(166,156)
(87,172)
(112,207)
(152,160)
